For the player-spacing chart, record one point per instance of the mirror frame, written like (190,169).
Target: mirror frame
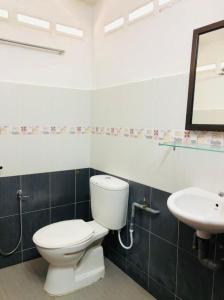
(191,92)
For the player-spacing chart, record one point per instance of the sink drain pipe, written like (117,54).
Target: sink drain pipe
(202,247)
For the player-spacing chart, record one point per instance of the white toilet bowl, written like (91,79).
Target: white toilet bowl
(73,248)
(74,252)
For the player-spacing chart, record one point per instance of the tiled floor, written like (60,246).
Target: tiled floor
(25,282)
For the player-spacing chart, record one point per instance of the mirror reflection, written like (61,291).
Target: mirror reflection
(209,84)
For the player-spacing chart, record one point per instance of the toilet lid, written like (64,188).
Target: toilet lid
(63,234)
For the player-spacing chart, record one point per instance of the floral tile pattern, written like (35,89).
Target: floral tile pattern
(185,137)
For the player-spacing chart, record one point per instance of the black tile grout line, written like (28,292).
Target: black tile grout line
(90,212)
(120,256)
(75,194)
(156,235)
(43,209)
(177,262)
(149,262)
(33,211)
(8,216)
(213,275)
(50,196)
(27,249)
(150,227)
(186,252)
(150,203)
(127,261)
(48,208)
(21,244)
(150,277)
(64,205)
(146,274)
(131,263)
(137,269)
(80,202)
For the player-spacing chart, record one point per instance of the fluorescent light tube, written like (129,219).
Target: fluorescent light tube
(33,21)
(205,68)
(70,30)
(141,12)
(114,25)
(4,13)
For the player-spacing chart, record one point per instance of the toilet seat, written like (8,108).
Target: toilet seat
(63,234)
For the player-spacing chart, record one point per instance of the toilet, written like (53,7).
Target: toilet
(73,248)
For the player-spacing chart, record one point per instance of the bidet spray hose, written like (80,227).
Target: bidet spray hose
(5,253)
(131,230)
(131,239)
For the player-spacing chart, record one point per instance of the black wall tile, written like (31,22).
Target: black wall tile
(164,225)
(118,260)
(91,172)
(31,223)
(186,236)
(163,253)
(62,188)
(9,205)
(219,275)
(137,275)
(36,211)
(13,259)
(194,281)
(137,193)
(9,233)
(219,247)
(218,285)
(111,242)
(163,261)
(62,213)
(82,185)
(98,172)
(30,254)
(37,188)
(139,253)
(82,211)
(159,292)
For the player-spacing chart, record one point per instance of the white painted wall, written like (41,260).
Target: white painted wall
(153,46)
(155,50)
(43,89)
(74,69)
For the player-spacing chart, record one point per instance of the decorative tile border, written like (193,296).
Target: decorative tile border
(184,137)
(44,130)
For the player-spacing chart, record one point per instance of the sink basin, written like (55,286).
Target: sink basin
(199,209)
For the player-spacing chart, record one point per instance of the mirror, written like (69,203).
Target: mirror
(206,86)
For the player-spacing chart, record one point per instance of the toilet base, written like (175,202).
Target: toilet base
(65,280)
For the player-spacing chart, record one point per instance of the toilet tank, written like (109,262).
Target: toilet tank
(109,201)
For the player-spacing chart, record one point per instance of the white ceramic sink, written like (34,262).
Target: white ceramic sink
(199,209)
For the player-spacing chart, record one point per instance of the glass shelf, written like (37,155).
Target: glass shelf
(194,147)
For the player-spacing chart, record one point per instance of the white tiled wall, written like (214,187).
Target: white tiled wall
(153,57)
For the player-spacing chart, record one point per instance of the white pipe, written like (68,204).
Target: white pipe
(131,239)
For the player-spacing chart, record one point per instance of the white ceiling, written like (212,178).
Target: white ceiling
(90,1)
